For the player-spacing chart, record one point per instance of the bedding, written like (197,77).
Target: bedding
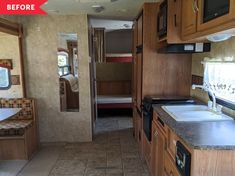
(114,101)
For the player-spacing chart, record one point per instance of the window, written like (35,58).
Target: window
(220,78)
(4,78)
(63,63)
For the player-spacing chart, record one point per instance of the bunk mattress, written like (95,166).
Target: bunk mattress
(114,101)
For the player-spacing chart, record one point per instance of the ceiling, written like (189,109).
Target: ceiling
(114,9)
(110,25)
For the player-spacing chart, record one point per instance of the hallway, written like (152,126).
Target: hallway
(113,152)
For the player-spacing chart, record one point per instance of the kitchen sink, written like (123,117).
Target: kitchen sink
(194,113)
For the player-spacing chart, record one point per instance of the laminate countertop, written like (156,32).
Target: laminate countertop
(214,135)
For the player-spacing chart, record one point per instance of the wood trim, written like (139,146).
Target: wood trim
(22,64)
(10,27)
(14,28)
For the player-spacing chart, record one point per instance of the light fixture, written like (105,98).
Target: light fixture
(219,37)
(53,11)
(98,8)
(126,26)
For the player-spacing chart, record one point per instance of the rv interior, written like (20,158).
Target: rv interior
(119,88)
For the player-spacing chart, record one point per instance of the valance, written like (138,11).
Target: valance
(6,63)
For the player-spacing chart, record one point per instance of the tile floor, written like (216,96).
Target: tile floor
(113,152)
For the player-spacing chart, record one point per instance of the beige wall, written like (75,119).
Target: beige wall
(42,79)
(218,51)
(113,71)
(9,49)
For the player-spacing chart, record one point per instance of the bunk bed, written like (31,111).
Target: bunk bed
(115,94)
(123,57)
(114,101)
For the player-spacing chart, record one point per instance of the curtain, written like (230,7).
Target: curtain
(220,78)
(99,43)
(6,63)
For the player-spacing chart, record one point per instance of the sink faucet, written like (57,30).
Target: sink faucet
(210,92)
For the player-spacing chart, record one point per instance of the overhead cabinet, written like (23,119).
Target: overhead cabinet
(169,21)
(201,18)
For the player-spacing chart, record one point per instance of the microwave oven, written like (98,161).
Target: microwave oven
(162,20)
(214,8)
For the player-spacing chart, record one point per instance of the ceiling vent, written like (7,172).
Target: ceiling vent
(98,8)
(97,1)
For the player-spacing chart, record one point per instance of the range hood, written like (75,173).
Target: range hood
(185,48)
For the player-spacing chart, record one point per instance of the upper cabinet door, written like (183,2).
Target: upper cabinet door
(224,16)
(189,17)
(140,30)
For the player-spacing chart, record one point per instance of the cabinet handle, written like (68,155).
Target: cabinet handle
(175,20)
(196,5)
(139,136)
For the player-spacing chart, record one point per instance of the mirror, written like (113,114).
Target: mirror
(67,57)
(11,60)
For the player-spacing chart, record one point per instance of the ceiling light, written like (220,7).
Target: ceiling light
(219,37)
(126,25)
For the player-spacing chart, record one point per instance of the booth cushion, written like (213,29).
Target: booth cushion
(14,127)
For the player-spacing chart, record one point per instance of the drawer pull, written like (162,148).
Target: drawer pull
(156,134)
(160,121)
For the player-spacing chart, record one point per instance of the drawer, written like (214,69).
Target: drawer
(159,123)
(172,138)
(169,166)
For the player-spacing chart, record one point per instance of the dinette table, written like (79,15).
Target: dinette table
(6,113)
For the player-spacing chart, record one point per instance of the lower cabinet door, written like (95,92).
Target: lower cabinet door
(158,148)
(169,167)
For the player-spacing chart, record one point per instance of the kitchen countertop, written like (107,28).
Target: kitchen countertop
(219,135)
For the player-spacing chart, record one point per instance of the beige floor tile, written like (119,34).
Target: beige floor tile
(42,162)
(95,172)
(69,167)
(11,168)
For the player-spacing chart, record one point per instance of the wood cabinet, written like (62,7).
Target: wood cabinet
(203,162)
(157,149)
(155,73)
(173,22)
(217,21)
(189,17)
(139,69)
(134,64)
(137,120)
(194,28)
(146,150)
(169,166)
(152,68)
